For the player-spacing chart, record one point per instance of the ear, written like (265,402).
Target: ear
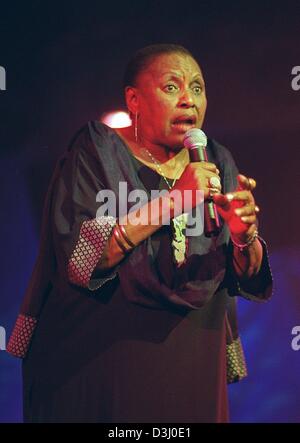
(131,97)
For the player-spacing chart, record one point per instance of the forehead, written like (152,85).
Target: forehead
(181,65)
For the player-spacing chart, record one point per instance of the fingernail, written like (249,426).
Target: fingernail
(237,211)
(256,209)
(229,197)
(244,219)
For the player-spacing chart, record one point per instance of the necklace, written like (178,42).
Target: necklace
(178,224)
(159,168)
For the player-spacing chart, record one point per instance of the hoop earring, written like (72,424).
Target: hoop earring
(135,127)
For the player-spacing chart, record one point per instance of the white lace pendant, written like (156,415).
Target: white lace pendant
(179,241)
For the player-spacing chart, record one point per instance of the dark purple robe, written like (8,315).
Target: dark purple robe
(150,342)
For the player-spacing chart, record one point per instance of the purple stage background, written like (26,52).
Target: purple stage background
(64,66)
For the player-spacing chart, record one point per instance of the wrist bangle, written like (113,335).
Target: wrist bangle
(125,236)
(118,238)
(242,246)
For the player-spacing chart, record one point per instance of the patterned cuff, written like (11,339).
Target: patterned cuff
(236,365)
(93,237)
(20,338)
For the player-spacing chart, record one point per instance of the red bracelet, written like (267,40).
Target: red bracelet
(118,238)
(125,236)
(242,246)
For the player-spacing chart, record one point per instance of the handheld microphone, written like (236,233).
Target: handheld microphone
(195,141)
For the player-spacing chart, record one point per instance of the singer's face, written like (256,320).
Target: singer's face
(171,99)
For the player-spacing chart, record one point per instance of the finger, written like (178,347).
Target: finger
(252,183)
(213,181)
(245,210)
(221,200)
(210,174)
(210,167)
(214,191)
(246,183)
(240,196)
(249,219)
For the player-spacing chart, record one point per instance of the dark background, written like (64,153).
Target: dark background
(64,63)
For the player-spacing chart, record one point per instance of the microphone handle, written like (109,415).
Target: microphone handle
(212,225)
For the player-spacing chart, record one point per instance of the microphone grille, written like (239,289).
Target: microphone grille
(194,137)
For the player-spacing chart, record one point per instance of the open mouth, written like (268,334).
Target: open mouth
(184,122)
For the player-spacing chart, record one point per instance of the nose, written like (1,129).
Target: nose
(186,99)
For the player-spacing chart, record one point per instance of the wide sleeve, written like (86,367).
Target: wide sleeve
(259,287)
(79,234)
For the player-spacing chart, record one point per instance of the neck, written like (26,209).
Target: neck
(159,152)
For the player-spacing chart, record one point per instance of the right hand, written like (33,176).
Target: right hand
(196,176)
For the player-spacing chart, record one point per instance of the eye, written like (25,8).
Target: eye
(170,87)
(197,90)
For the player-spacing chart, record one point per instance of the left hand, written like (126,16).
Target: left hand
(238,209)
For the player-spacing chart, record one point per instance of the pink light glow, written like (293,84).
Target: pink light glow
(116,119)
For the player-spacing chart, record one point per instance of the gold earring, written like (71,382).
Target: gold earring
(135,127)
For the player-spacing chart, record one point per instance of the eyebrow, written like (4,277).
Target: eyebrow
(197,77)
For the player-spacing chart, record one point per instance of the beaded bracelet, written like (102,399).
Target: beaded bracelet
(242,246)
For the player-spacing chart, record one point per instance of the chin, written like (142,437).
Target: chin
(176,142)
(175,138)
(176,148)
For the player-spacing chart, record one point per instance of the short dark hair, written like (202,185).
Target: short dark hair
(144,56)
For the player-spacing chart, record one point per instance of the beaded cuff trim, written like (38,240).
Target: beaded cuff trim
(92,240)
(236,365)
(20,338)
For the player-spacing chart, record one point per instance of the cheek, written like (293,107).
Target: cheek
(202,108)
(163,114)
(156,107)
(165,104)
(202,104)
(158,112)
